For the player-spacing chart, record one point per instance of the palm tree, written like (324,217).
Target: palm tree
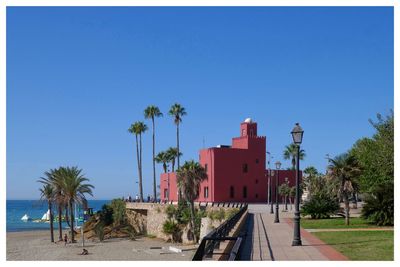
(163,157)
(75,187)
(138,128)
(46,193)
(152,112)
(189,177)
(290,152)
(345,170)
(177,111)
(52,178)
(173,154)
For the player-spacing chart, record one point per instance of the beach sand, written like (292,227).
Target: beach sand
(36,245)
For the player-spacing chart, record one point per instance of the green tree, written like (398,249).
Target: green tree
(177,112)
(52,178)
(138,128)
(152,112)
(189,177)
(47,194)
(284,190)
(345,170)
(173,154)
(376,154)
(75,187)
(290,152)
(163,157)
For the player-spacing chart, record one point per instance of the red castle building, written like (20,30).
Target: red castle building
(235,173)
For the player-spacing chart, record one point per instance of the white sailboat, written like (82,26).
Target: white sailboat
(26,218)
(46,216)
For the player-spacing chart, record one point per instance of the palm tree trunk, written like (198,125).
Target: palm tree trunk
(286,203)
(173,164)
(177,146)
(138,157)
(193,223)
(177,142)
(141,173)
(347,209)
(154,163)
(71,209)
(51,222)
(60,237)
(66,215)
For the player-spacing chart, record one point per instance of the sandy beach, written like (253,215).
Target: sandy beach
(36,245)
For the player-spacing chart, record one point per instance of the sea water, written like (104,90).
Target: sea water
(35,210)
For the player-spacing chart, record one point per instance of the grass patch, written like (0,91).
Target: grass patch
(361,245)
(334,223)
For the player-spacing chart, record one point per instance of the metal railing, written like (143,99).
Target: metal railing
(212,240)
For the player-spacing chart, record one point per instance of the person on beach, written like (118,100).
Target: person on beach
(85,252)
(148,198)
(65,239)
(137,198)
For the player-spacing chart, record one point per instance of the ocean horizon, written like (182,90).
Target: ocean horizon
(35,209)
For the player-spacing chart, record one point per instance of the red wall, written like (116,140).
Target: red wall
(225,170)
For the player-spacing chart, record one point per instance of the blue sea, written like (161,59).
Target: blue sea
(35,209)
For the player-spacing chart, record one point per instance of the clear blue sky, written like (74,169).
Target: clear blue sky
(78,77)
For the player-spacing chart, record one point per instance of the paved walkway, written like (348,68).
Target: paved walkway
(266,240)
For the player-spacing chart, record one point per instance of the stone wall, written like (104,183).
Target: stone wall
(148,218)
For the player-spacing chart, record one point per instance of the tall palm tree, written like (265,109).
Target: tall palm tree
(52,178)
(75,187)
(46,193)
(173,154)
(189,177)
(177,111)
(163,157)
(152,112)
(290,152)
(345,170)
(138,128)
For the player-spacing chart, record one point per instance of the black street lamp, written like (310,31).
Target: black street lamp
(297,135)
(278,166)
(271,173)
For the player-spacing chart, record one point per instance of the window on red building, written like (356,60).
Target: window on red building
(245,168)
(256,181)
(256,161)
(243,132)
(244,191)
(232,192)
(165,193)
(251,132)
(206,192)
(206,167)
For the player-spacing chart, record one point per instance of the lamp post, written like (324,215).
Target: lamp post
(271,173)
(278,166)
(297,135)
(268,182)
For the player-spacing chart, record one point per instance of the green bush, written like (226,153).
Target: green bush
(379,205)
(99,231)
(217,214)
(230,213)
(118,211)
(170,211)
(106,215)
(172,228)
(320,206)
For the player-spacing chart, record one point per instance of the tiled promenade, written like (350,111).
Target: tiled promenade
(267,240)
